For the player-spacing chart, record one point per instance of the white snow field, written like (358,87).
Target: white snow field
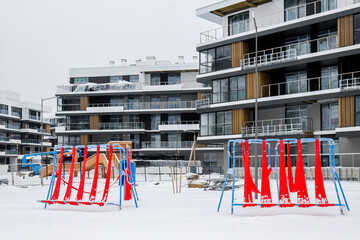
(164,215)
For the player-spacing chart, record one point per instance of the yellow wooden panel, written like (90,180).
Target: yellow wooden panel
(345,31)
(94,121)
(239,117)
(263,79)
(84,139)
(238,50)
(84,102)
(346,112)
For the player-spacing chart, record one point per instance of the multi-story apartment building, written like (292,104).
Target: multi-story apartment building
(151,103)
(308,71)
(20,126)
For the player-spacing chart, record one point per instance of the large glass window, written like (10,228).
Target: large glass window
(327,5)
(296,82)
(174,140)
(134,78)
(155,79)
(174,78)
(155,121)
(297,117)
(16,111)
(220,90)
(300,44)
(155,102)
(70,104)
(325,160)
(238,88)
(81,80)
(218,123)
(357,110)
(77,122)
(216,59)
(155,140)
(239,23)
(117,101)
(4,109)
(294,9)
(174,118)
(357,29)
(174,102)
(134,103)
(329,77)
(329,116)
(327,40)
(115,79)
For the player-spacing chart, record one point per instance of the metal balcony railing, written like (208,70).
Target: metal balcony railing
(271,127)
(92,87)
(288,52)
(204,101)
(36,141)
(180,122)
(289,14)
(167,144)
(122,125)
(350,81)
(148,105)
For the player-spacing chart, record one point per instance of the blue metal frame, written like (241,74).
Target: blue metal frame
(123,164)
(231,168)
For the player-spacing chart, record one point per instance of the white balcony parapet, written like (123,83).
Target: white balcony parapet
(93,87)
(274,127)
(287,15)
(167,144)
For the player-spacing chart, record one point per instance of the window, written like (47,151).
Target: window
(4,109)
(117,101)
(216,59)
(239,23)
(238,88)
(115,79)
(207,61)
(81,80)
(134,78)
(327,40)
(296,82)
(357,110)
(135,139)
(116,137)
(329,77)
(210,162)
(174,140)
(297,116)
(220,90)
(300,44)
(155,79)
(69,104)
(134,118)
(327,5)
(294,9)
(134,103)
(155,140)
(174,119)
(174,102)
(325,150)
(218,123)
(329,116)
(16,111)
(155,121)
(174,78)
(77,122)
(357,29)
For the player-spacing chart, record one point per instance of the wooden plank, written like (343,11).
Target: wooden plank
(240,116)
(94,121)
(84,102)
(345,29)
(238,50)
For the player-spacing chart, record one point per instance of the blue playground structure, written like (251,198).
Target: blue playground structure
(281,177)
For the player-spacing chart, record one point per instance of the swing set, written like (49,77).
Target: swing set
(126,177)
(284,181)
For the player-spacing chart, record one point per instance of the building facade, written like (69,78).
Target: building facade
(308,72)
(151,103)
(20,125)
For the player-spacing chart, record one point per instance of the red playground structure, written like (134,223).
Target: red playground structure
(120,155)
(284,177)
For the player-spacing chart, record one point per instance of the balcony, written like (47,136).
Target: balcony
(92,87)
(170,126)
(167,144)
(288,52)
(4,139)
(34,117)
(105,107)
(289,15)
(278,127)
(31,130)
(31,141)
(3,111)
(121,125)
(350,81)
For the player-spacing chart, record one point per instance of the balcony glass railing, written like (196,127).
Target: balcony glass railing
(12,151)
(77,126)
(287,15)
(122,125)
(278,126)
(34,117)
(4,139)
(3,111)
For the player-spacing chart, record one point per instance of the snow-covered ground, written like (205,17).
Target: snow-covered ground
(164,215)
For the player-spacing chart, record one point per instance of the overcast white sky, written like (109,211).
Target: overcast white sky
(41,39)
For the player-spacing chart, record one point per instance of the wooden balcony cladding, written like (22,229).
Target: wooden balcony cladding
(239,117)
(84,139)
(241,5)
(238,50)
(94,121)
(263,79)
(84,102)
(346,111)
(47,128)
(345,28)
